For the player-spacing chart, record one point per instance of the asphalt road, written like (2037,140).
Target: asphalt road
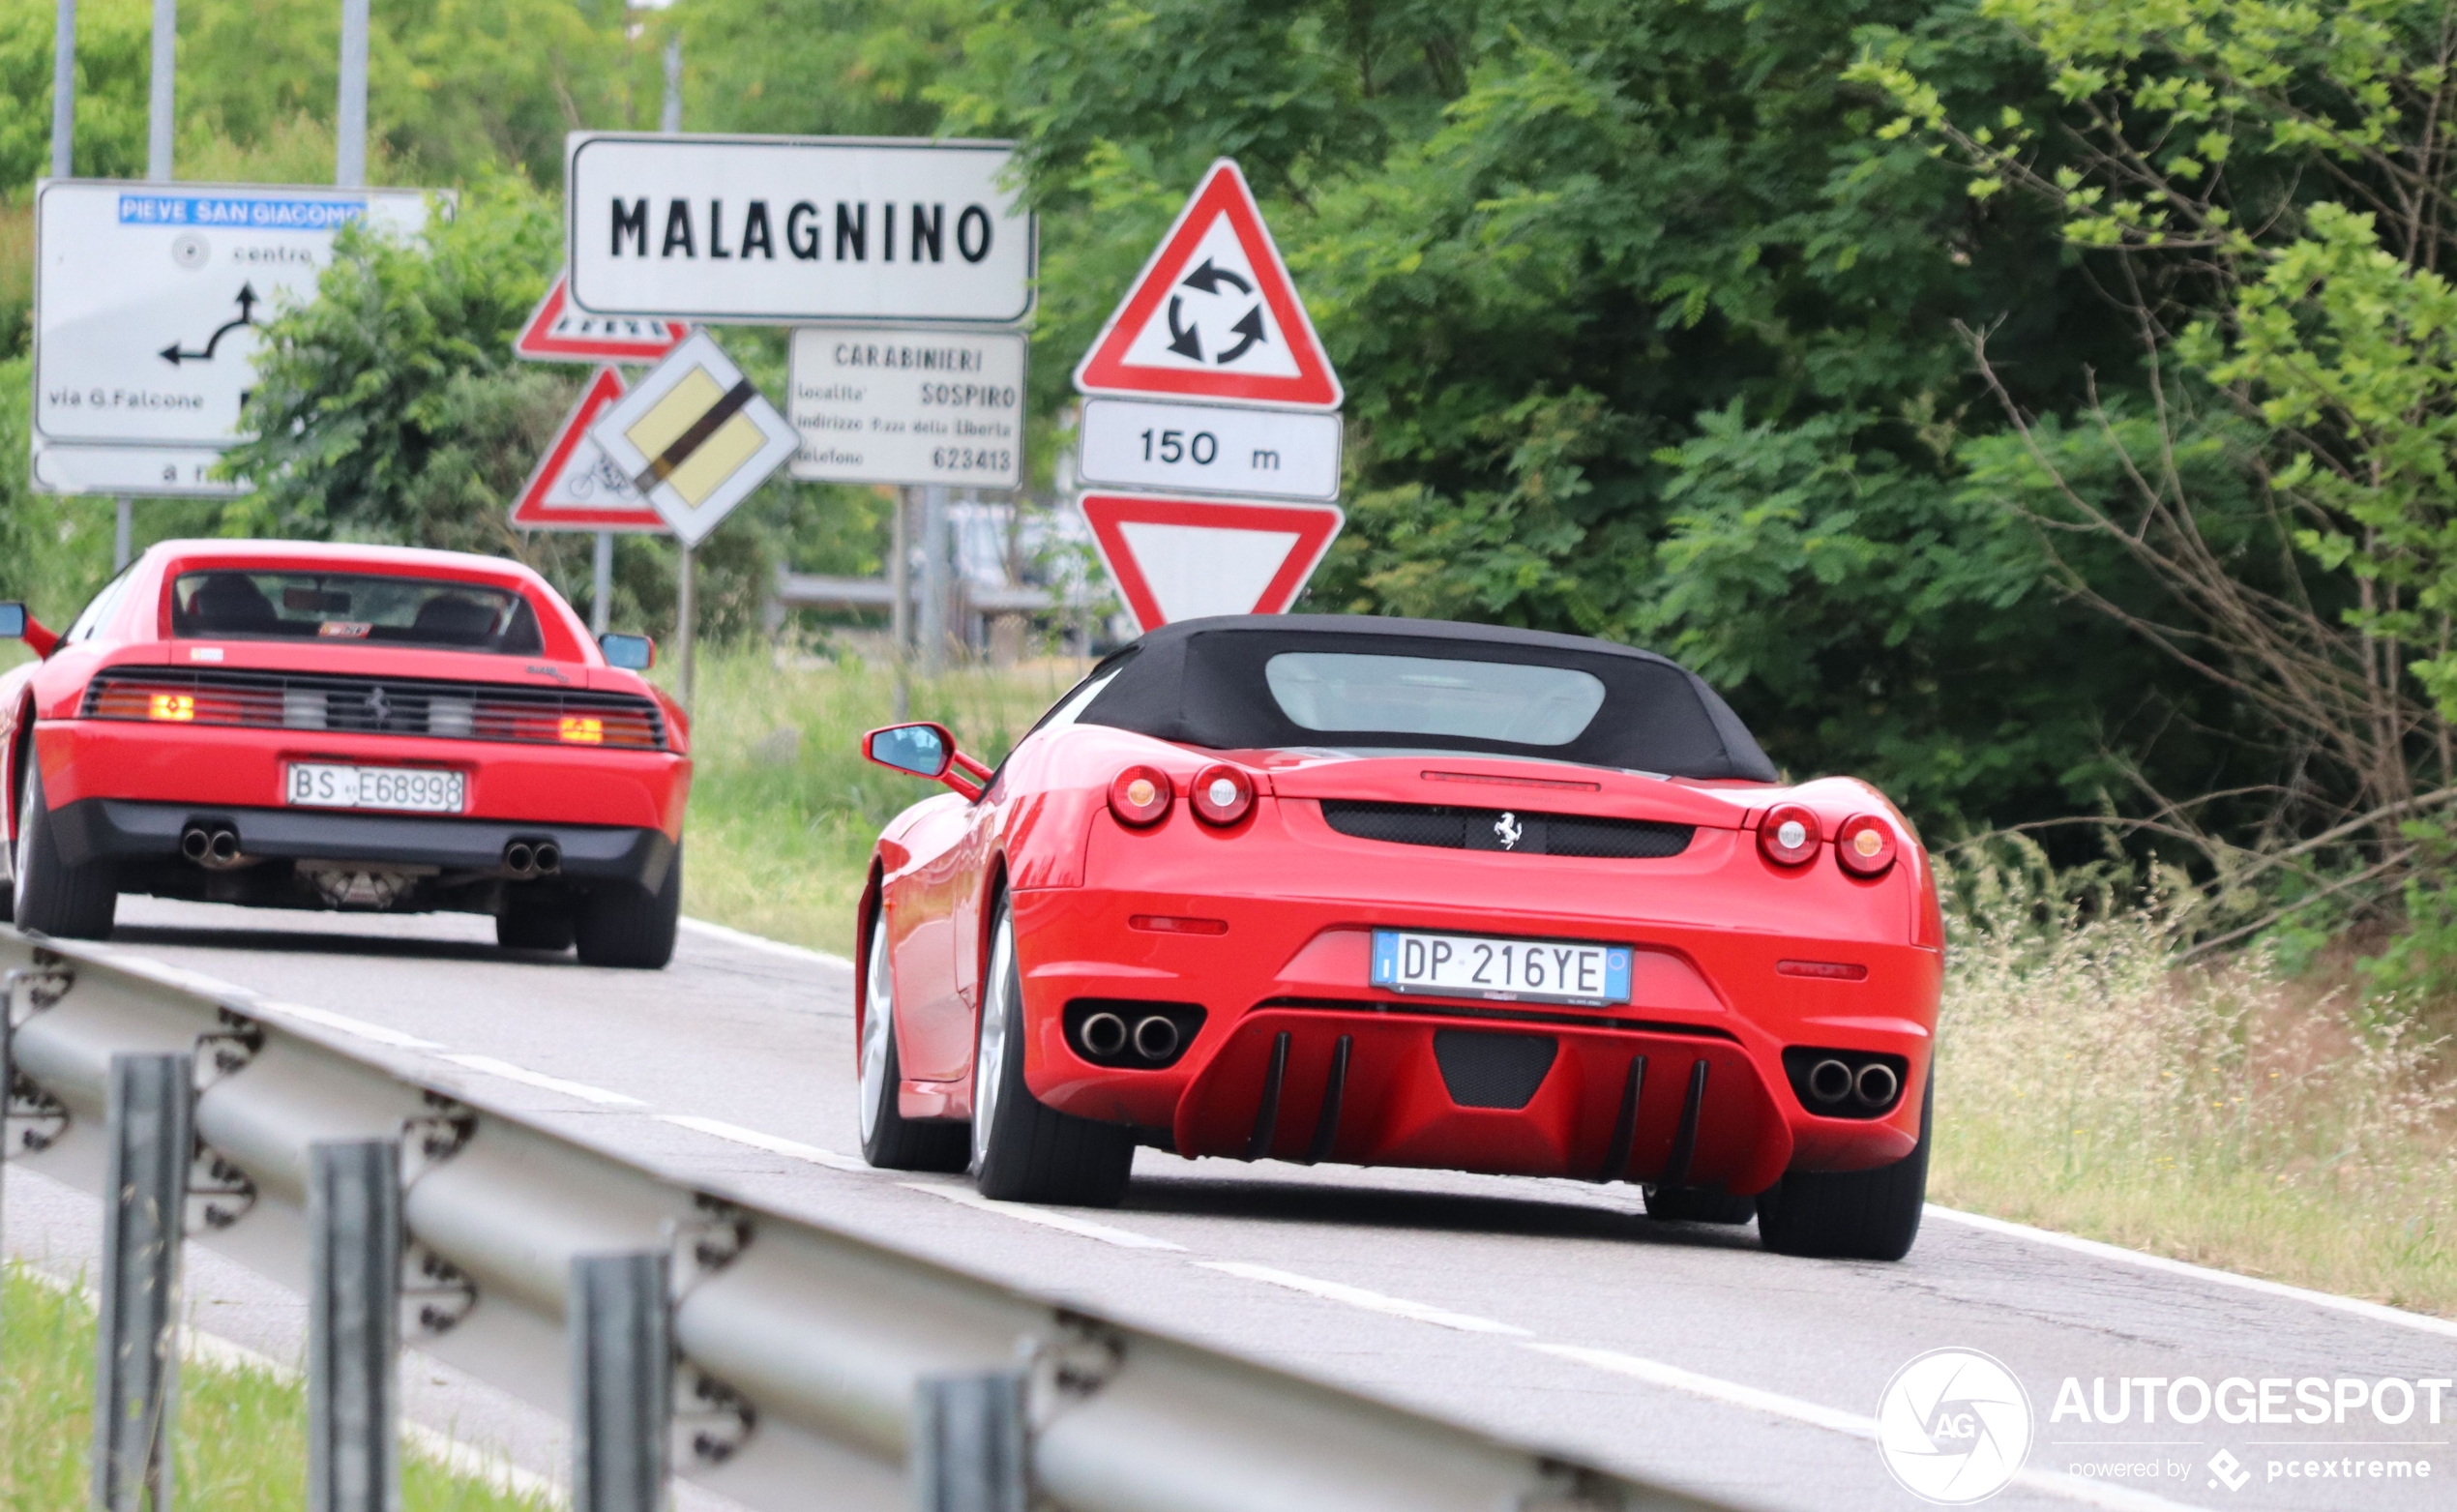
(1551,1312)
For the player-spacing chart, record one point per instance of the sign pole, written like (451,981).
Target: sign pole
(350,120)
(934,584)
(900,591)
(685,613)
(161,122)
(64,93)
(124,533)
(601,584)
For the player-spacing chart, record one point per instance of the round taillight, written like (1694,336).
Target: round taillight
(1789,834)
(1140,796)
(1865,845)
(1222,795)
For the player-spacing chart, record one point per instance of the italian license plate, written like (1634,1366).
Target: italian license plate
(318,785)
(1514,971)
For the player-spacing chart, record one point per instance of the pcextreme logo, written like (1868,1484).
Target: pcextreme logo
(1954,1426)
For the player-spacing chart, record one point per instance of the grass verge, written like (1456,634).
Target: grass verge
(242,1434)
(2225,1115)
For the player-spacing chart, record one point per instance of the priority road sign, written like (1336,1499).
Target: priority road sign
(1209,449)
(696,438)
(559,333)
(147,301)
(1214,315)
(796,229)
(1176,559)
(575,487)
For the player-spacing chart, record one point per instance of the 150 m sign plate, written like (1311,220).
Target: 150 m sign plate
(1210,449)
(786,229)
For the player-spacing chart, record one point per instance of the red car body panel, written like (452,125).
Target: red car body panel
(1266,925)
(217,768)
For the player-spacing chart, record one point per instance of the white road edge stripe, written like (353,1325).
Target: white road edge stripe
(1084,1228)
(490,1066)
(770,1142)
(1358,1296)
(495,1471)
(760,942)
(343,1023)
(2376,1311)
(1730,1393)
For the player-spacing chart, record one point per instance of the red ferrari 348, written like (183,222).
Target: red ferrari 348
(1395,892)
(343,727)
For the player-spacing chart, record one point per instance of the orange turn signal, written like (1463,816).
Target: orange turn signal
(582,732)
(1865,845)
(171,706)
(1140,796)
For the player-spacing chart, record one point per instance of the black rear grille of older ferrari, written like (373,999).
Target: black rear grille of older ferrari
(1514,830)
(378,705)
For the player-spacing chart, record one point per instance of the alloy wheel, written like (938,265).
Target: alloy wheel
(988,1065)
(878,1030)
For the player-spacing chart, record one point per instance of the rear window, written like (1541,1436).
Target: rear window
(352,608)
(1349,692)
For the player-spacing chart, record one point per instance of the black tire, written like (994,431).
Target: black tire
(535,924)
(890,1140)
(1022,1151)
(1851,1214)
(1699,1205)
(622,925)
(50,895)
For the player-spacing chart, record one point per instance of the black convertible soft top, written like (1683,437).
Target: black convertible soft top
(1201,682)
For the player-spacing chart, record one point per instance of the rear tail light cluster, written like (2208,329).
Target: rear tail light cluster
(1221,795)
(1864,845)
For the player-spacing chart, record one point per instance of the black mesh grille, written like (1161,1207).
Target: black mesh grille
(371,706)
(1493,1070)
(1506,829)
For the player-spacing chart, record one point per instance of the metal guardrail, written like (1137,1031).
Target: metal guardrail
(811,590)
(792,1366)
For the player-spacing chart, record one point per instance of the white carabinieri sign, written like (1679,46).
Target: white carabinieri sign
(789,229)
(919,407)
(147,301)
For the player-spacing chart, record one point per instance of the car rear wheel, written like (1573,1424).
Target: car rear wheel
(620,924)
(47,895)
(1022,1151)
(1851,1214)
(890,1140)
(529,923)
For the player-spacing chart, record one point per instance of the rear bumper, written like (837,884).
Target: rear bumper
(125,830)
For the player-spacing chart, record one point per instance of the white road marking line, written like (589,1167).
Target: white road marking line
(764,1142)
(760,942)
(509,1072)
(1083,1228)
(212,1351)
(1358,1296)
(343,1023)
(1732,1393)
(2378,1312)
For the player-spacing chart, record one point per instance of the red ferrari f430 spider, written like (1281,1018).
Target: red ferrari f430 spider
(343,727)
(1390,892)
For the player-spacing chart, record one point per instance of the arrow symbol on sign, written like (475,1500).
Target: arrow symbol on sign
(1208,279)
(172,355)
(1251,328)
(1184,340)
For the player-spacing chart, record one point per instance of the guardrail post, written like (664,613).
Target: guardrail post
(620,1319)
(151,1130)
(354,1283)
(968,1452)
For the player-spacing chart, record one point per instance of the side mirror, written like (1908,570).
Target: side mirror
(631,653)
(12,621)
(922,750)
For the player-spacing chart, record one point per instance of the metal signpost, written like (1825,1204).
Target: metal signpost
(1210,384)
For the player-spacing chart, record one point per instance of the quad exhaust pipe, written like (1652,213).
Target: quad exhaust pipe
(526,858)
(214,845)
(1874,1084)
(1104,1035)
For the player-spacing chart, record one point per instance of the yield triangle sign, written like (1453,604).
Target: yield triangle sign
(1214,315)
(1176,559)
(575,487)
(558,332)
